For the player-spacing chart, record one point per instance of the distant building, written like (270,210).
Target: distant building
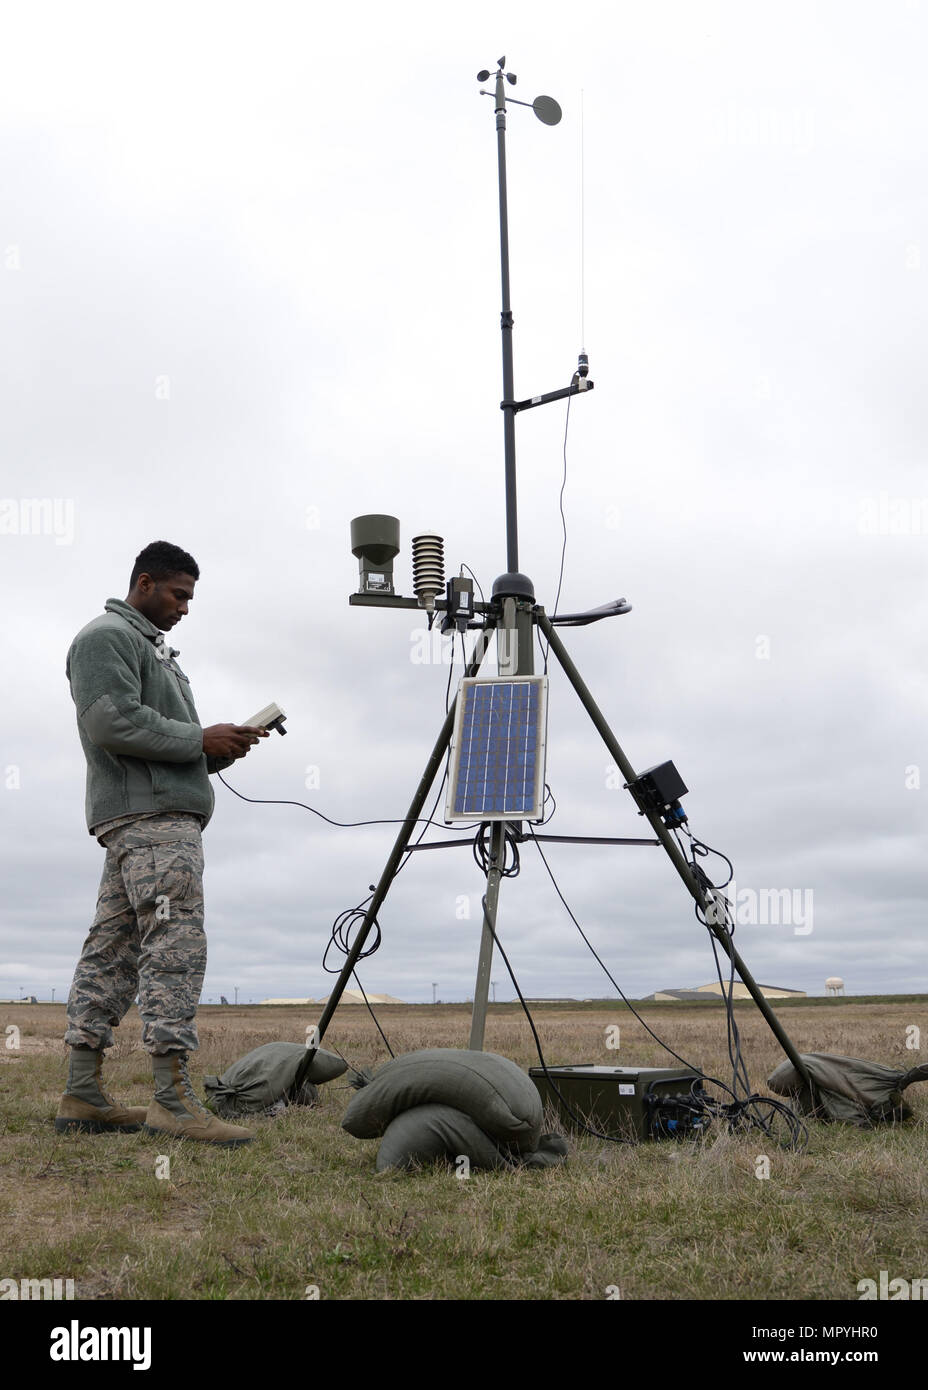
(350,996)
(665,996)
(354,996)
(739,991)
(551,999)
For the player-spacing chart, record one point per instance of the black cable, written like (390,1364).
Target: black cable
(351,1068)
(342,824)
(749,1109)
(483,858)
(737,1114)
(733,1036)
(750,1103)
(549,796)
(738,1110)
(560,504)
(702,849)
(560,577)
(482,855)
(697,1105)
(372,1014)
(711,890)
(448,686)
(354,824)
(611,1138)
(603,965)
(340,937)
(476,581)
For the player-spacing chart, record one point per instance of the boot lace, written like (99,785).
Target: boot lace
(187,1085)
(98,1077)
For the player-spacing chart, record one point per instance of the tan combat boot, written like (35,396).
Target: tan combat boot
(86,1106)
(177,1113)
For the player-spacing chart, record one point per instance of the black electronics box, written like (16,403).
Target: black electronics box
(658,787)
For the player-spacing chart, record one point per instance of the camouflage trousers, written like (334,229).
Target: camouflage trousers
(147,938)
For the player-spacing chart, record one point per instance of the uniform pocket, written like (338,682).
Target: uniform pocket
(166,877)
(138,783)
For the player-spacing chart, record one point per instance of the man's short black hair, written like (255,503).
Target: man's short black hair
(161,559)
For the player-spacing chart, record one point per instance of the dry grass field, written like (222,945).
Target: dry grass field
(302,1207)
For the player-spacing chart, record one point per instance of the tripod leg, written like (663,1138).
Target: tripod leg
(670,845)
(485,963)
(386,878)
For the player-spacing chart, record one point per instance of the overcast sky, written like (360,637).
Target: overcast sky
(250,289)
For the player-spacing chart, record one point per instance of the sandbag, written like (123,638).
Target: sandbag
(261,1081)
(848,1089)
(552,1150)
(429,1132)
(495,1093)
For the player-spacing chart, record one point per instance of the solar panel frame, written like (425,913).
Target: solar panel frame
(497,772)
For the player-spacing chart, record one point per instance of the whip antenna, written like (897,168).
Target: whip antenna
(584,360)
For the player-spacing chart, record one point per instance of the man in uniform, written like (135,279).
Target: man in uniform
(148,798)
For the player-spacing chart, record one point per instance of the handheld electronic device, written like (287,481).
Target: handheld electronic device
(271,717)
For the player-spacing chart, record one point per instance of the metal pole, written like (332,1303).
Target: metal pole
(485,964)
(524,640)
(670,845)
(508,403)
(386,878)
(514,658)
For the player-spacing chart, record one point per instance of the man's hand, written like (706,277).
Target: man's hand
(230,740)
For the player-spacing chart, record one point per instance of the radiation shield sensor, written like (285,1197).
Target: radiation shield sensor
(498,749)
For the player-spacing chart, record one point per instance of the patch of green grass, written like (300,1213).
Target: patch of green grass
(302,1206)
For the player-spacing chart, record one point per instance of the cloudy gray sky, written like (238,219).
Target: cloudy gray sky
(250,289)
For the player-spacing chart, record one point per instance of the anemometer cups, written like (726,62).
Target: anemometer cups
(375,540)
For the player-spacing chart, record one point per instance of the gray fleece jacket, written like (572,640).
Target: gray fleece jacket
(137,721)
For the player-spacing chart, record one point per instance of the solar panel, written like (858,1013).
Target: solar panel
(498,749)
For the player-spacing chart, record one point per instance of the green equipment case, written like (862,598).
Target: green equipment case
(611,1100)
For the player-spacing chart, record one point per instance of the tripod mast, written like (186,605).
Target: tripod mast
(515,615)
